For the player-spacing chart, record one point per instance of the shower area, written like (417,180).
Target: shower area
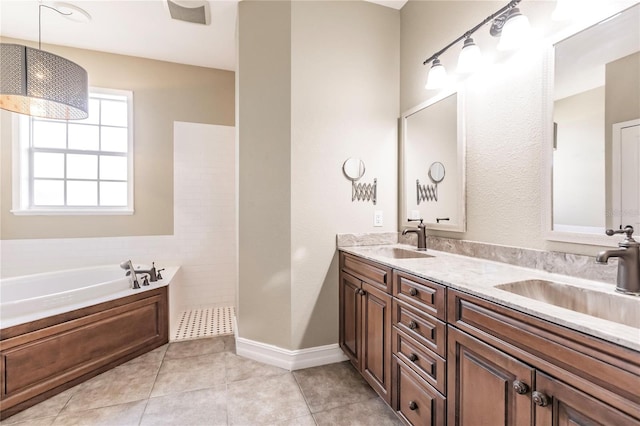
(203,300)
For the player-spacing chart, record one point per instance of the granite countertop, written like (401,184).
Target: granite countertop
(480,277)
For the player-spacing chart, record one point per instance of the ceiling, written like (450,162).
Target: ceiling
(137,28)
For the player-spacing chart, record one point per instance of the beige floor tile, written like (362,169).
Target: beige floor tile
(48,408)
(155,356)
(126,383)
(368,413)
(201,407)
(265,401)
(229,343)
(120,415)
(298,421)
(192,373)
(44,421)
(240,368)
(196,347)
(332,385)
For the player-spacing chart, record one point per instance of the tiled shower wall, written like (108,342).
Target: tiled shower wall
(203,244)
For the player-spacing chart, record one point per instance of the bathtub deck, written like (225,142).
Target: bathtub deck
(204,322)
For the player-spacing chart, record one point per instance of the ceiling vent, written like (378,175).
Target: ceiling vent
(196,12)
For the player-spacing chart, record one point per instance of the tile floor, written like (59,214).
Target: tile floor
(203,382)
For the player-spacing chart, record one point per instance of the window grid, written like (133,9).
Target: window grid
(99,153)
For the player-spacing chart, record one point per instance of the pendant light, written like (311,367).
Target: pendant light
(42,84)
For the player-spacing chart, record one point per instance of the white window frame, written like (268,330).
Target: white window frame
(22,176)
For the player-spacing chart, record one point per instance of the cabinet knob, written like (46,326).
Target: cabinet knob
(413,291)
(362,292)
(413,325)
(520,387)
(540,399)
(413,406)
(413,357)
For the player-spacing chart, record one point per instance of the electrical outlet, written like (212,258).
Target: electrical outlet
(415,214)
(378,218)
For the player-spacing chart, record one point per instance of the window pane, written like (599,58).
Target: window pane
(94,112)
(48,165)
(80,166)
(82,136)
(114,139)
(113,193)
(82,193)
(113,113)
(48,192)
(49,134)
(113,168)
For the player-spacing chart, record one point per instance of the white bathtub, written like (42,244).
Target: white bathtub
(31,297)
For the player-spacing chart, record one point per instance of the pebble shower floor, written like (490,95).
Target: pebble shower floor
(205,322)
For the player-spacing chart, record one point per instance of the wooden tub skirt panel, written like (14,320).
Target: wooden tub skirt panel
(45,360)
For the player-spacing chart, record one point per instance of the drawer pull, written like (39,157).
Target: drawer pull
(413,357)
(413,406)
(413,291)
(540,399)
(413,325)
(520,387)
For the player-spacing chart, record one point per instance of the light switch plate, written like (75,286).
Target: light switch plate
(378,218)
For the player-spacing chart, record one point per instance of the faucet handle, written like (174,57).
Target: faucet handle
(627,230)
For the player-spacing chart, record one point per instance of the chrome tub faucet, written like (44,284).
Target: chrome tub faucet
(420,231)
(628,255)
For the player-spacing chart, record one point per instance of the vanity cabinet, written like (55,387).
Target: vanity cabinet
(365,320)
(506,367)
(440,356)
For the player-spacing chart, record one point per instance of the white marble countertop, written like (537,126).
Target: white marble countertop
(479,277)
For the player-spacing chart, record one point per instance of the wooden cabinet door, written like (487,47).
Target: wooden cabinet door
(376,340)
(559,404)
(350,317)
(484,385)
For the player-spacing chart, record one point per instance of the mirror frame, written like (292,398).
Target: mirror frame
(403,223)
(547,141)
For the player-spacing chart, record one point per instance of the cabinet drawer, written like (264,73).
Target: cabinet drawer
(424,328)
(423,294)
(415,401)
(427,364)
(371,272)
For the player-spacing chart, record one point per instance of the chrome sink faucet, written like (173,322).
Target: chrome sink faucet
(628,261)
(421,231)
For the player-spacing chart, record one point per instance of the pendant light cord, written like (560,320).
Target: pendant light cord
(40,6)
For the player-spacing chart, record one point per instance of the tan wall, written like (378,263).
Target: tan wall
(345,103)
(163,92)
(264,129)
(318,83)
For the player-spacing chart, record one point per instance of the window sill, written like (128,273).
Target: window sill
(73,212)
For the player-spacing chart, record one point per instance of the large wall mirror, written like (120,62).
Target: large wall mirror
(595,139)
(433,164)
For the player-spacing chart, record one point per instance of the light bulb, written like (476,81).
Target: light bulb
(515,32)
(437,76)
(470,57)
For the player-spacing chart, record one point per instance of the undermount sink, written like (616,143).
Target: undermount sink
(398,253)
(622,309)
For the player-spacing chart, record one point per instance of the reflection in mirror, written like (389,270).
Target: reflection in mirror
(432,134)
(596,119)
(436,172)
(353,168)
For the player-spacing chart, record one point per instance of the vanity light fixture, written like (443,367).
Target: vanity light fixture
(42,84)
(508,23)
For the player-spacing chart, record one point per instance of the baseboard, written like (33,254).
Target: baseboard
(288,359)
